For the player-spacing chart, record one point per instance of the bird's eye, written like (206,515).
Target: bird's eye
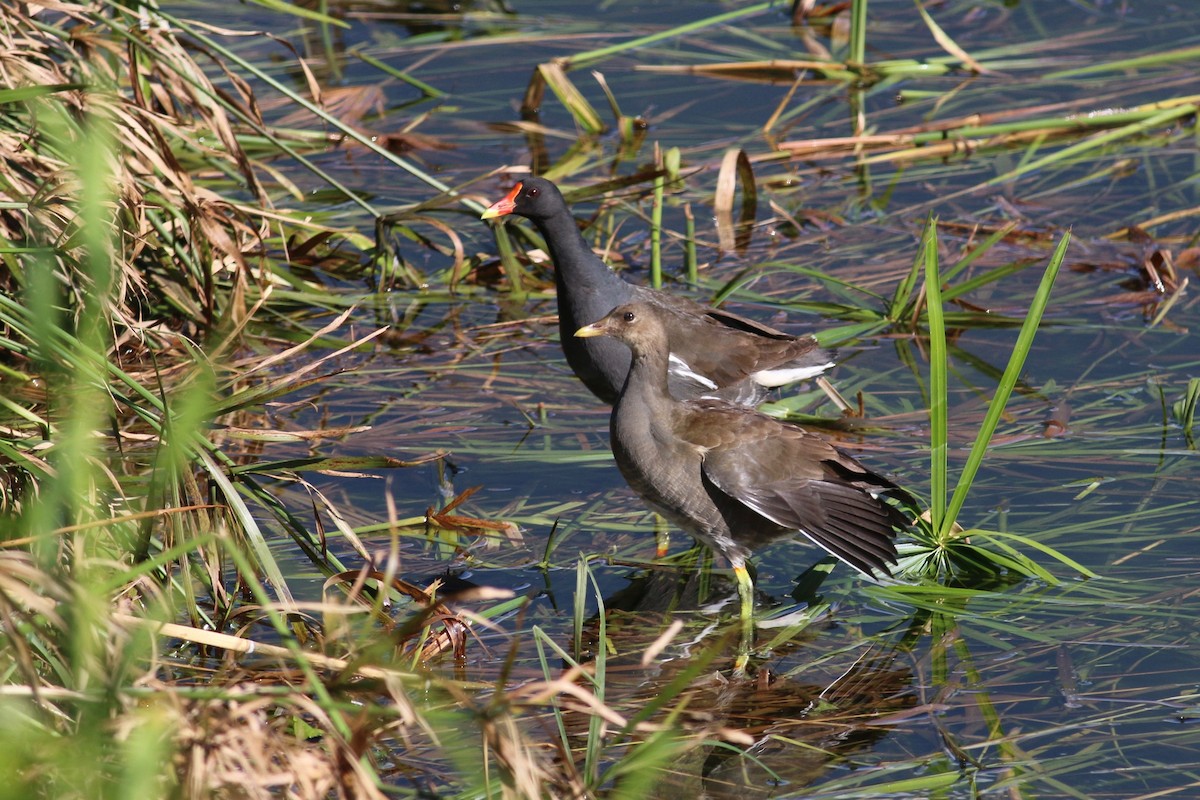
(630,316)
(533,192)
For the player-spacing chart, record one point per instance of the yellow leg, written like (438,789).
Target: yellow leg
(662,538)
(746,594)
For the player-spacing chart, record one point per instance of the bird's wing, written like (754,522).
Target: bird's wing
(716,349)
(798,481)
(740,323)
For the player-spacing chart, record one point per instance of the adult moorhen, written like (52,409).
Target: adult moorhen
(733,478)
(713,353)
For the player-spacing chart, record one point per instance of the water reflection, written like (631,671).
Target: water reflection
(775,729)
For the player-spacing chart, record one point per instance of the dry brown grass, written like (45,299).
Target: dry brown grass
(249,748)
(87,70)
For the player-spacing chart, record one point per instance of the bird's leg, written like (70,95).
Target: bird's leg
(662,537)
(746,594)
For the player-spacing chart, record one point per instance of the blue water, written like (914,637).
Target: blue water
(1089,458)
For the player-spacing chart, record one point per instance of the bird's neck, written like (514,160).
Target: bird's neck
(639,415)
(575,264)
(647,378)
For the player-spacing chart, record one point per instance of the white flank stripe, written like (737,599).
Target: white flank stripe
(778,377)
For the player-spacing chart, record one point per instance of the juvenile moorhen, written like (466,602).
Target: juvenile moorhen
(733,478)
(713,353)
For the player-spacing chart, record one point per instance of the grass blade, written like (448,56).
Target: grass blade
(938,381)
(691,27)
(555,76)
(947,43)
(1007,381)
(1099,140)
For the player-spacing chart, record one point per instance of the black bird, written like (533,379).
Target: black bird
(713,353)
(733,478)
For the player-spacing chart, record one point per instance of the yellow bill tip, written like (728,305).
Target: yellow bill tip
(503,206)
(588,331)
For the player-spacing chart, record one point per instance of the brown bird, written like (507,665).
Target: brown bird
(712,353)
(736,479)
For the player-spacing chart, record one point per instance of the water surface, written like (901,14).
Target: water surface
(1085,688)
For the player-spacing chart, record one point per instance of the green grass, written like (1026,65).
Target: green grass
(992,551)
(265,403)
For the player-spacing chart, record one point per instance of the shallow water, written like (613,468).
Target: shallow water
(1082,689)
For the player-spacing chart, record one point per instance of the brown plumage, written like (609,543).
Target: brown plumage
(733,478)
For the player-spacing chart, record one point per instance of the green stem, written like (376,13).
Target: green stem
(689,252)
(656,235)
(858,33)
(938,382)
